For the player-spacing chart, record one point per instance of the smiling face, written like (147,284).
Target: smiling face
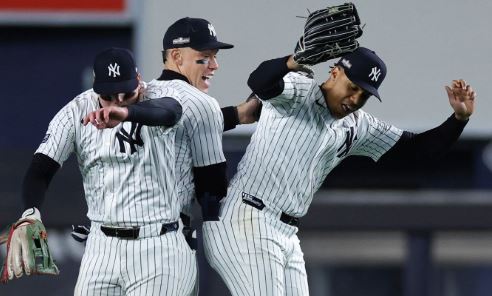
(342,96)
(197,66)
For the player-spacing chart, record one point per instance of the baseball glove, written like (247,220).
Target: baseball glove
(328,33)
(27,251)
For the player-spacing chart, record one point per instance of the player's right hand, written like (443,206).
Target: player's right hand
(250,110)
(107,117)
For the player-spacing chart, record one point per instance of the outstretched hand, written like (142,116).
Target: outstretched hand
(107,117)
(461,98)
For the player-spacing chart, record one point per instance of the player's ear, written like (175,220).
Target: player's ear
(176,56)
(335,72)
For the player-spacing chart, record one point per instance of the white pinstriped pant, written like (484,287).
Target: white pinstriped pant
(254,252)
(156,265)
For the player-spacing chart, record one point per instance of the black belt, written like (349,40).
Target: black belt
(258,204)
(132,232)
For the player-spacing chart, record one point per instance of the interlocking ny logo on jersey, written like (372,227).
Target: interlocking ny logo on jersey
(350,137)
(211,29)
(133,138)
(374,75)
(114,69)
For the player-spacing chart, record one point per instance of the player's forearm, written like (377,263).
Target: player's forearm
(37,179)
(267,80)
(157,112)
(429,144)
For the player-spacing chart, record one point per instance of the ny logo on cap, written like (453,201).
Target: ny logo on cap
(211,29)
(374,75)
(114,69)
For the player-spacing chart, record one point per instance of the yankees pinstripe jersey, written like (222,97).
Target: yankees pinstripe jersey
(198,134)
(304,144)
(128,171)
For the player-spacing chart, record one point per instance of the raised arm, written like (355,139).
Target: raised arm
(437,141)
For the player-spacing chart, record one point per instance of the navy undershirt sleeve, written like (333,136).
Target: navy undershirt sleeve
(231,118)
(157,112)
(210,187)
(267,80)
(428,145)
(37,179)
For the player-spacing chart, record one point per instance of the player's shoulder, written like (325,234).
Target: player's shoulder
(360,118)
(78,106)
(300,77)
(83,101)
(161,88)
(187,95)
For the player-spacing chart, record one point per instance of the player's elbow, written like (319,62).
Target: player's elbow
(175,113)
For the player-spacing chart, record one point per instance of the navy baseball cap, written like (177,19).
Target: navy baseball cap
(196,33)
(115,72)
(364,68)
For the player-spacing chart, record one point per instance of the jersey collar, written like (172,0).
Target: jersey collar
(171,75)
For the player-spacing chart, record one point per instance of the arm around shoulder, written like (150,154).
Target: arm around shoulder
(157,112)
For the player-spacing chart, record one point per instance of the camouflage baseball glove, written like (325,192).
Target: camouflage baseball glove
(27,249)
(328,33)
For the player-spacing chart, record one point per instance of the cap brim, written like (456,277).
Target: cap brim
(213,45)
(109,88)
(373,91)
(368,88)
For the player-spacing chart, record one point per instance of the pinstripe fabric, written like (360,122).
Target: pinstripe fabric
(254,252)
(295,146)
(297,143)
(121,188)
(198,134)
(158,265)
(198,137)
(129,180)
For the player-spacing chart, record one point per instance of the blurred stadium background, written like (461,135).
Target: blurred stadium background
(393,229)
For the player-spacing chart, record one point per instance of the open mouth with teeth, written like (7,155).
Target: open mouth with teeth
(346,108)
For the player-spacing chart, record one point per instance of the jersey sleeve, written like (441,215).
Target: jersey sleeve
(58,141)
(296,87)
(203,121)
(375,137)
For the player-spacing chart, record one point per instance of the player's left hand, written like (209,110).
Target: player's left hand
(461,98)
(27,248)
(107,117)
(249,111)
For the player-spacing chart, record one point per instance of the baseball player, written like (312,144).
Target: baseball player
(190,48)
(124,144)
(306,130)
